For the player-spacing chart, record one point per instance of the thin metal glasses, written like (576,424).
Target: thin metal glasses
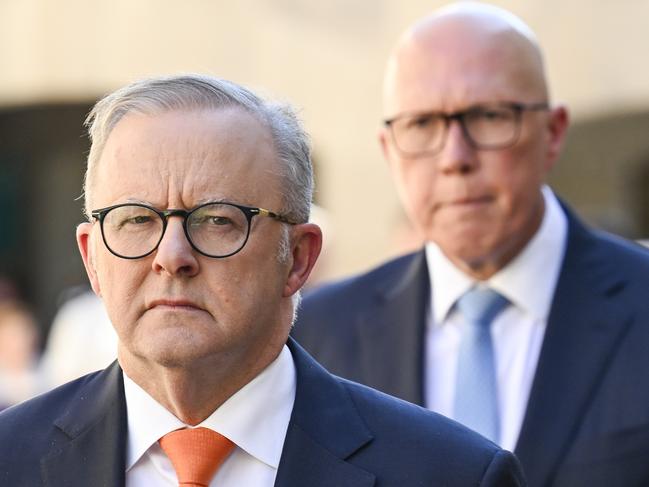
(217,229)
(487,126)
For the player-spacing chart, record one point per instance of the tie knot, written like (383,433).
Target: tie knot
(481,305)
(196,454)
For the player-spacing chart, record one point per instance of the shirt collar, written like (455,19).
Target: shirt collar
(255,418)
(519,280)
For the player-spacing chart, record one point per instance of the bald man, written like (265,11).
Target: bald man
(547,367)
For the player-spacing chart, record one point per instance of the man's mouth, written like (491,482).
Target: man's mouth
(466,203)
(174,304)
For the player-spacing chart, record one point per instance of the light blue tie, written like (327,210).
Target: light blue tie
(476,388)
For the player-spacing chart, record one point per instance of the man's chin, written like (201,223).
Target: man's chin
(179,356)
(172,348)
(472,256)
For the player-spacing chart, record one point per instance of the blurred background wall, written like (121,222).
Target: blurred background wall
(324,56)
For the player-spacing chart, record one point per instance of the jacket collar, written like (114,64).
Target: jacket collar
(95,429)
(587,321)
(392,328)
(325,429)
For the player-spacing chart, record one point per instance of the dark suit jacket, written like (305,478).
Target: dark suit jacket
(587,420)
(340,434)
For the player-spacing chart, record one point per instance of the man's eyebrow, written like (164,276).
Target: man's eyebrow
(137,200)
(211,199)
(237,201)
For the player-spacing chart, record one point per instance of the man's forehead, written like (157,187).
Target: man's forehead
(462,59)
(186,134)
(138,123)
(472,17)
(187,153)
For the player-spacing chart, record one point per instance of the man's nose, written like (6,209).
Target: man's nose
(457,154)
(175,255)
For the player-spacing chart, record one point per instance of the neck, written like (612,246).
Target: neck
(192,392)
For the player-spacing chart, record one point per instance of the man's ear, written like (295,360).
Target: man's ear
(86,248)
(557,129)
(384,143)
(306,244)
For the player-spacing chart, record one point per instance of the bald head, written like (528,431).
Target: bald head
(457,49)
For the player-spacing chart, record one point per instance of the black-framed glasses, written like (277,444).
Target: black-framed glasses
(486,126)
(216,229)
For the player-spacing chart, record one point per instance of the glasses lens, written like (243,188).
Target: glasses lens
(492,126)
(415,134)
(132,230)
(218,229)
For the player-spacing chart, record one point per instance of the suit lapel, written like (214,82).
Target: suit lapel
(94,428)
(315,450)
(325,429)
(392,333)
(585,326)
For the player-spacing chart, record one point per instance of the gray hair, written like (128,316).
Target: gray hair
(191,92)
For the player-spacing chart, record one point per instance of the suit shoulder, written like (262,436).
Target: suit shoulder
(632,255)
(28,432)
(357,289)
(327,319)
(598,244)
(391,416)
(429,445)
(39,412)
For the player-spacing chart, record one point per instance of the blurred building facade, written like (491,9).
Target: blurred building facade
(326,57)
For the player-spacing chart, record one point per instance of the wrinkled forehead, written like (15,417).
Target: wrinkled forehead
(458,59)
(191,154)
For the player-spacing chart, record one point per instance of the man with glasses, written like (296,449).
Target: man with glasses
(515,318)
(198,241)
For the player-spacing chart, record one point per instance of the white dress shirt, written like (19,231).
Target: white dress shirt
(255,419)
(528,282)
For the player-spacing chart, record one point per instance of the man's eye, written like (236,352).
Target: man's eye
(140,219)
(219,220)
(493,115)
(211,220)
(135,220)
(421,122)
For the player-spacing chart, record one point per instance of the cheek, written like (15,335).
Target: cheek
(246,281)
(120,280)
(228,293)
(415,182)
(517,181)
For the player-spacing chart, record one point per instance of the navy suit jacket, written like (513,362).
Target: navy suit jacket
(340,434)
(587,418)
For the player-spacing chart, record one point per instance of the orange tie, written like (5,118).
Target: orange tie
(196,454)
